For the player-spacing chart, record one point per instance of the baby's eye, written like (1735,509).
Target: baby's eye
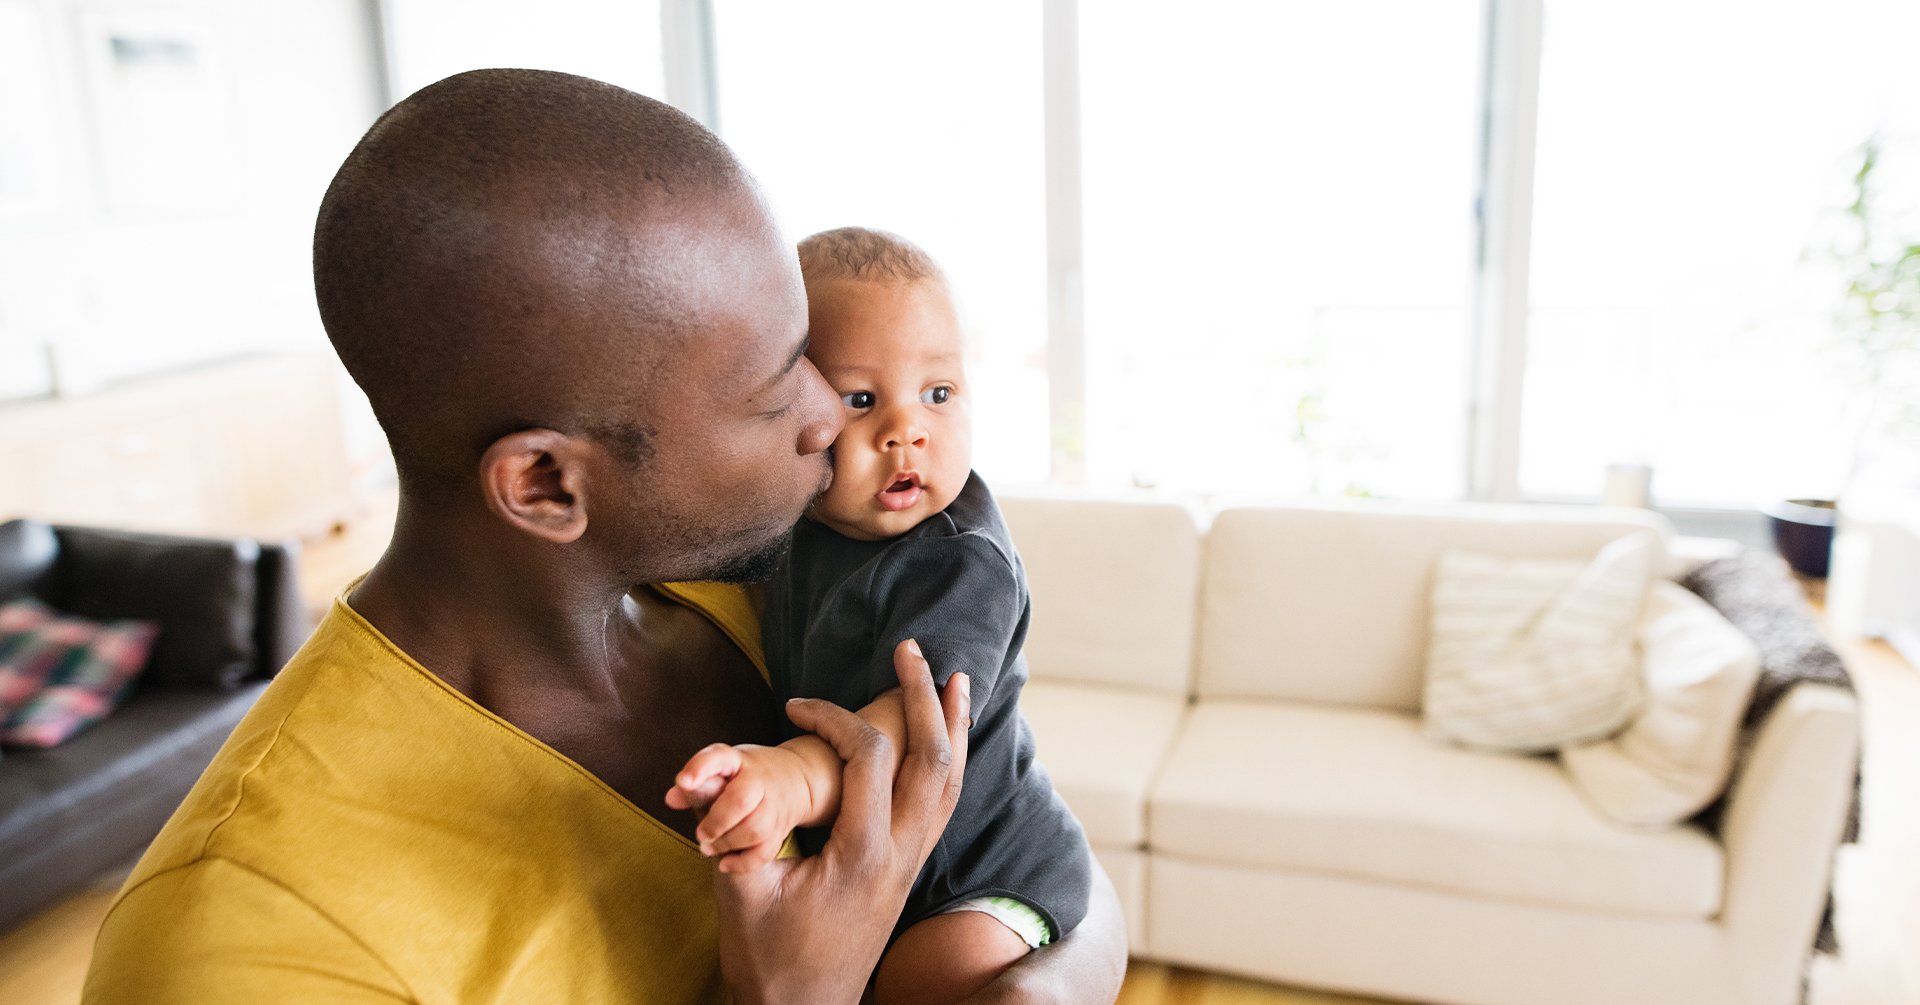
(857,399)
(936,395)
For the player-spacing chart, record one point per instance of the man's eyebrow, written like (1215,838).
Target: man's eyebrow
(798,351)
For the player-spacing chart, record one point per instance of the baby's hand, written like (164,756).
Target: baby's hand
(755,796)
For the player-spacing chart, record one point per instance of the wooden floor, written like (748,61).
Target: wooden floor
(1877,882)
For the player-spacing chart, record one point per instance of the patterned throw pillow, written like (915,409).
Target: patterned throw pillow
(60,674)
(1527,655)
(24,666)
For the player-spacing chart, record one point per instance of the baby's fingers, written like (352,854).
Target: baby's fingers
(683,798)
(703,776)
(761,827)
(740,798)
(714,761)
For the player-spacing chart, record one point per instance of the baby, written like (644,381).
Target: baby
(906,544)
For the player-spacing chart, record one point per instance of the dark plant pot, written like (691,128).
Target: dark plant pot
(1803,533)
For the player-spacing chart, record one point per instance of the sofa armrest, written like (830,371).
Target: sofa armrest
(1783,821)
(281,621)
(28,551)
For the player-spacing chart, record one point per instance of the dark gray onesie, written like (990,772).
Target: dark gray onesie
(837,607)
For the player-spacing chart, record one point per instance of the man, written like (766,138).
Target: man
(583,336)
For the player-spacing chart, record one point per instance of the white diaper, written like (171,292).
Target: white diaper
(1025,921)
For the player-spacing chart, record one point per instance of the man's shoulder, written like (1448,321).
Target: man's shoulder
(283,752)
(364,797)
(239,928)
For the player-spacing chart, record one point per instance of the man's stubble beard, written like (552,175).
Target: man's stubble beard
(757,566)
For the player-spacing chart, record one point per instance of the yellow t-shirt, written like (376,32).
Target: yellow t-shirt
(368,833)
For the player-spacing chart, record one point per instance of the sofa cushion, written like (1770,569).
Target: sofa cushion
(1114,587)
(1102,746)
(1528,655)
(68,813)
(1361,794)
(202,591)
(1329,603)
(1674,758)
(60,673)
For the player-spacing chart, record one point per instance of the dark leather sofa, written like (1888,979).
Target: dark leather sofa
(230,615)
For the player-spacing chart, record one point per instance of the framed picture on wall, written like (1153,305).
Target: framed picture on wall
(163,111)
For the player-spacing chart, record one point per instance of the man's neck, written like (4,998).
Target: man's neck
(628,687)
(489,614)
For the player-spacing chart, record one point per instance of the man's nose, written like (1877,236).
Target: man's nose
(824,416)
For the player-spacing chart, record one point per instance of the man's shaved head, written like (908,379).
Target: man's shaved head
(509,249)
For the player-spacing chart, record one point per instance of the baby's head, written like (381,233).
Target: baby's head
(883,332)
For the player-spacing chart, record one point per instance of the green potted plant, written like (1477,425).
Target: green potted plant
(1879,325)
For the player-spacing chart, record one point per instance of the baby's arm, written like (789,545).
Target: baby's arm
(963,599)
(755,796)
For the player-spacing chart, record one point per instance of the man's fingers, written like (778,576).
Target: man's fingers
(956,701)
(866,793)
(919,791)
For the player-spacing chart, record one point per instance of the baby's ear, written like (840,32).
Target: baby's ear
(535,480)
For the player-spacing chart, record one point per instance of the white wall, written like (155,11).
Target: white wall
(115,279)
(617,41)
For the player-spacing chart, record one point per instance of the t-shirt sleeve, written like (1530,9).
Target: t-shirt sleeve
(960,598)
(215,931)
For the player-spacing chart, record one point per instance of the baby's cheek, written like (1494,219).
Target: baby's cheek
(846,497)
(847,472)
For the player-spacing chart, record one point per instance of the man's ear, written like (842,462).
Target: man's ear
(536,480)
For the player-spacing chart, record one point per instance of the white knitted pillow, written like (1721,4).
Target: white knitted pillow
(1674,758)
(1528,655)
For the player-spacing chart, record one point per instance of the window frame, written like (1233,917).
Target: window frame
(1503,215)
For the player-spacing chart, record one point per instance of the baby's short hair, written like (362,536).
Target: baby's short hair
(862,253)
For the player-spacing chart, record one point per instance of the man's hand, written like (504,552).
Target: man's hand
(811,929)
(755,796)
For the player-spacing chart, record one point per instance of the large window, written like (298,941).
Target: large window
(1692,158)
(1247,255)
(924,120)
(1276,200)
(1279,240)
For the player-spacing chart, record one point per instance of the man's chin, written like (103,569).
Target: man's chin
(755,566)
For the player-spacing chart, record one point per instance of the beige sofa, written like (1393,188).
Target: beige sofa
(1231,705)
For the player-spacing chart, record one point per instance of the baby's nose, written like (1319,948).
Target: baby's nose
(904,434)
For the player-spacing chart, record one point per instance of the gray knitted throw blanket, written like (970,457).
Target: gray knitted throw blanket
(1754,590)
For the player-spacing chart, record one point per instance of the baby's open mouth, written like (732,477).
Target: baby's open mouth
(902,492)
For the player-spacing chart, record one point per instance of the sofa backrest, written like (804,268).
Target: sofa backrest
(229,609)
(1329,603)
(1114,585)
(28,551)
